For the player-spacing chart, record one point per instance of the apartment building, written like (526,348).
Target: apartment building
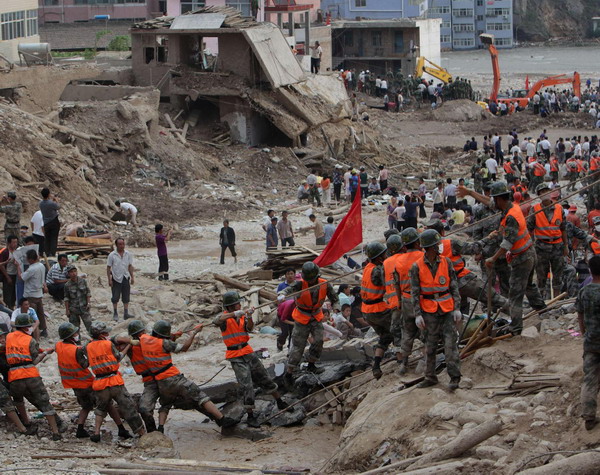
(75,11)
(18,24)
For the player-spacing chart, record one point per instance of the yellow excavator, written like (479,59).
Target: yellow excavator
(426,66)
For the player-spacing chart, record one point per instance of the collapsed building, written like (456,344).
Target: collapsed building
(212,63)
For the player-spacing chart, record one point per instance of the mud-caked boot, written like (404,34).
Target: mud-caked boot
(403,367)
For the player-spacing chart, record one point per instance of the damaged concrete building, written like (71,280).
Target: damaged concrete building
(219,66)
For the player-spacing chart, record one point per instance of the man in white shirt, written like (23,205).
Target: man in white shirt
(384,87)
(35,286)
(438,198)
(37,229)
(315,57)
(545,146)
(25,307)
(128,210)
(492,166)
(119,270)
(531,149)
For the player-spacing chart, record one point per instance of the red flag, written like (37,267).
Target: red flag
(527,82)
(346,237)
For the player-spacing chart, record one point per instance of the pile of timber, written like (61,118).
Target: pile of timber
(87,248)
(278,260)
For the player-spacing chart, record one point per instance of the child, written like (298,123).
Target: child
(588,313)
(342,323)
(161,248)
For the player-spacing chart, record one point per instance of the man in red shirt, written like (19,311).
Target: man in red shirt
(592,214)
(286,322)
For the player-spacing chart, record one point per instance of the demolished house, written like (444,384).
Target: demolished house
(213,62)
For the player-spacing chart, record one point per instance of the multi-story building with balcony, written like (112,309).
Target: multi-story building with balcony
(18,24)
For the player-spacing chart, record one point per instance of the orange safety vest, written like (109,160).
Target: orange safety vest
(572,165)
(401,265)
(518,189)
(523,241)
(457,261)
(306,308)
(508,169)
(580,166)
(371,294)
(159,362)
(19,357)
(531,159)
(435,289)
(594,165)
(548,231)
(139,364)
(538,169)
(236,338)
(104,365)
(72,374)
(390,265)
(554,165)
(595,248)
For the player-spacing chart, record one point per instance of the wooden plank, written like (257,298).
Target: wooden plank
(236,284)
(90,241)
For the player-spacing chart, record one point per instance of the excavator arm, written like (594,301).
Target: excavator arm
(488,40)
(574,80)
(426,66)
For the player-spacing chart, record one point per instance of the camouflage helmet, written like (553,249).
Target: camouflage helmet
(162,328)
(430,238)
(69,268)
(23,320)
(542,188)
(67,330)
(231,298)
(375,249)
(135,327)
(409,235)
(98,328)
(435,224)
(390,232)
(4,329)
(310,271)
(394,244)
(498,188)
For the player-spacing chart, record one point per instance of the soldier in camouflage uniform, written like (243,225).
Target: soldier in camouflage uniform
(588,313)
(551,243)
(436,305)
(77,299)
(12,210)
(569,279)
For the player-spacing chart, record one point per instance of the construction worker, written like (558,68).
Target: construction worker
(373,307)
(307,316)
(517,245)
(551,243)
(73,367)
(12,210)
(22,355)
(108,384)
(172,385)
(436,303)
(150,394)
(6,403)
(235,324)
(398,283)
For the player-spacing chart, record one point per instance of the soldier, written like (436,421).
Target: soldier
(108,384)
(551,243)
(22,355)
(518,246)
(307,316)
(235,324)
(436,307)
(373,307)
(398,293)
(538,171)
(588,313)
(6,403)
(77,299)
(74,371)
(12,210)
(172,385)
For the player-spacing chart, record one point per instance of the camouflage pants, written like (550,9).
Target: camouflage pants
(381,323)
(521,285)
(572,176)
(182,392)
(299,340)
(569,281)
(86,398)
(441,327)
(474,289)
(6,403)
(549,256)
(410,331)
(35,392)
(502,271)
(590,386)
(249,371)
(313,194)
(396,328)
(126,405)
(148,400)
(79,316)
(12,230)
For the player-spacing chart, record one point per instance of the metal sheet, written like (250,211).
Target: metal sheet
(200,21)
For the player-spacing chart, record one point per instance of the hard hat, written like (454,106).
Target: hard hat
(435,224)
(390,232)
(573,208)
(23,320)
(310,271)
(409,235)
(542,188)
(162,328)
(375,249)
(67,330)
(517,197)
(134,327)
(429,238)
(231,298)
(98,328)
(394,244)
(498,188)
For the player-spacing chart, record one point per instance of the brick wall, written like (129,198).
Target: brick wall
(65,36)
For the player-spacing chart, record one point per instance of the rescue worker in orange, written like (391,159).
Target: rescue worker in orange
(518,187)
(73,367)
(174,387)
(398,294)
(308,316)
(538,171)
(108,384)
(551,242)
(509,172)
(554,167)
(235,325)
(22,355)
(436,302)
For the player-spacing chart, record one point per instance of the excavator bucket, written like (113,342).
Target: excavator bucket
(486,39)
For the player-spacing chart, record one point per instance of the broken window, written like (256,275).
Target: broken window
(148,55)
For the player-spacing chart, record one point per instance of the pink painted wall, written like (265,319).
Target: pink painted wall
(71,13)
